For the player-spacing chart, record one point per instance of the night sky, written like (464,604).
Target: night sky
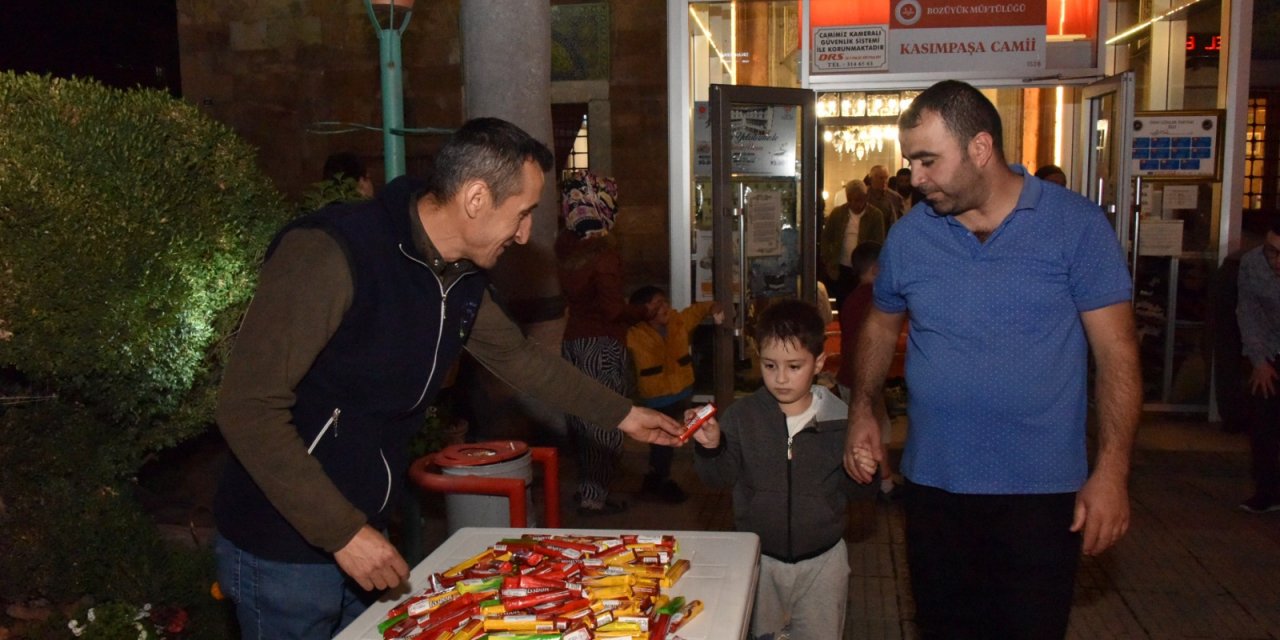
(122,43)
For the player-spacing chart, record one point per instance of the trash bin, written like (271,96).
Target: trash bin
(495,459)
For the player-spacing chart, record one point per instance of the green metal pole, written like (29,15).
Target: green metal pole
(392,103)
(392,86)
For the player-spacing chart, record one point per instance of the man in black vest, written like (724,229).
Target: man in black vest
(360,311)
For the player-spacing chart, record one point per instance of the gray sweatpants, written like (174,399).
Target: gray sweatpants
(807,598)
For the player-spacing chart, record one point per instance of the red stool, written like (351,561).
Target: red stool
(426,473)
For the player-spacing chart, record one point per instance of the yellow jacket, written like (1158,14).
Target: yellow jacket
(663,366)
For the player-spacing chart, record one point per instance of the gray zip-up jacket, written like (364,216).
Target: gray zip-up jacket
(793,492)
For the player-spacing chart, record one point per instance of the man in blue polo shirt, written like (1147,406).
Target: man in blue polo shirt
(1009,283)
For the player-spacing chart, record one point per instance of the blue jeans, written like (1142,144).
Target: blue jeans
(284,600)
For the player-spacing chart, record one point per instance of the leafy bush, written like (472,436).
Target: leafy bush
(131,229)
(327,192)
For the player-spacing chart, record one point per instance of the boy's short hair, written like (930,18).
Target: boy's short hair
(646,294)
(864,256)
(792,319)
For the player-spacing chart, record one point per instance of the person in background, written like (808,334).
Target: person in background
(361,309)
(880,196)
(347,166)
(866,267)
(1258,314)
(902,184)
(1009,286)
(659,349)
(590,271)
(1052,173)
(851,223)
(779,449)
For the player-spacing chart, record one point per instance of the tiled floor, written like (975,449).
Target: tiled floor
(1192,565)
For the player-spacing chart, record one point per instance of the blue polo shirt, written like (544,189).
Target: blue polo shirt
(997,354)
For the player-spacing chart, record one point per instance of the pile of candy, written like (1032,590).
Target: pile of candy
(542,587)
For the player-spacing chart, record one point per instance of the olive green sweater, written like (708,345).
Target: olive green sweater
(304,290)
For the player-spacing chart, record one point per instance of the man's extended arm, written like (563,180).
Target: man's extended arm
(519,361)
(876,342)
(1102,505)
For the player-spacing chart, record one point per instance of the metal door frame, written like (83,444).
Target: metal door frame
(1122,85)
(726,217)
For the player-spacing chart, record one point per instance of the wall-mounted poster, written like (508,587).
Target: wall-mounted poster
(1177,144)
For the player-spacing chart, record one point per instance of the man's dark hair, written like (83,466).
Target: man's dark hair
(1049,170)
(863,257)
(339,166)
(646,294)
(963,109)
(491,150)
(792,319)
(1274,227)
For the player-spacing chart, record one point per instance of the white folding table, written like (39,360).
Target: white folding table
(722,574)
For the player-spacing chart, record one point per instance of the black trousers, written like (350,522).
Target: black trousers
(1264,444)
(990,566)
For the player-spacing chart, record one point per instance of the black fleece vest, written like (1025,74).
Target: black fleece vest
(367,392)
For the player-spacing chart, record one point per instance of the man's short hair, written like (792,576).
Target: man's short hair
(792,319)
(855,187)
(1274,226)
(343,165)
(863,257)
(646,294)
(963,109)
(488,149)
(1049,170)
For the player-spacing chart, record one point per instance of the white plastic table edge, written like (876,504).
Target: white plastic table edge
(738,583)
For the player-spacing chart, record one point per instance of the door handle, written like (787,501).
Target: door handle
(739,318)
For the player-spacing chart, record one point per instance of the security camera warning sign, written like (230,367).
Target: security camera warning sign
(862,48)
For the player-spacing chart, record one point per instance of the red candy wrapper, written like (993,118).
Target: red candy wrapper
(700,418)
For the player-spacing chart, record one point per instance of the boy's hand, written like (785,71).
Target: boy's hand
(863,439)
(709,434)
(718,313)
(864,459)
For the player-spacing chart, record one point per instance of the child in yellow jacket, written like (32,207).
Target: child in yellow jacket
(659,349)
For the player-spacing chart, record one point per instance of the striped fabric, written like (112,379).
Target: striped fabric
(599,447)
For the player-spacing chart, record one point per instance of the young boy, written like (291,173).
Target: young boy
(659,349)
(780,448)
(865,261)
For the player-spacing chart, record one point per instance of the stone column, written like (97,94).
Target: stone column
(506,70)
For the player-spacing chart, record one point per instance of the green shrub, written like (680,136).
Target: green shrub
(131,230)
(128,222)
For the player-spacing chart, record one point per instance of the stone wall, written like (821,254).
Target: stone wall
(273,68)
(638,114)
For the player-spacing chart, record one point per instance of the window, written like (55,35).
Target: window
(1255,153)
(578,154)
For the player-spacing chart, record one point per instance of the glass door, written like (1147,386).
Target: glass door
(1107,107)
(1169,284)
(764,215)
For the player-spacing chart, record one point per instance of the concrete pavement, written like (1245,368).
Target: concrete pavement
(1192,566)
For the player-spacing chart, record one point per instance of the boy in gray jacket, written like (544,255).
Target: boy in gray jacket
(780,449)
